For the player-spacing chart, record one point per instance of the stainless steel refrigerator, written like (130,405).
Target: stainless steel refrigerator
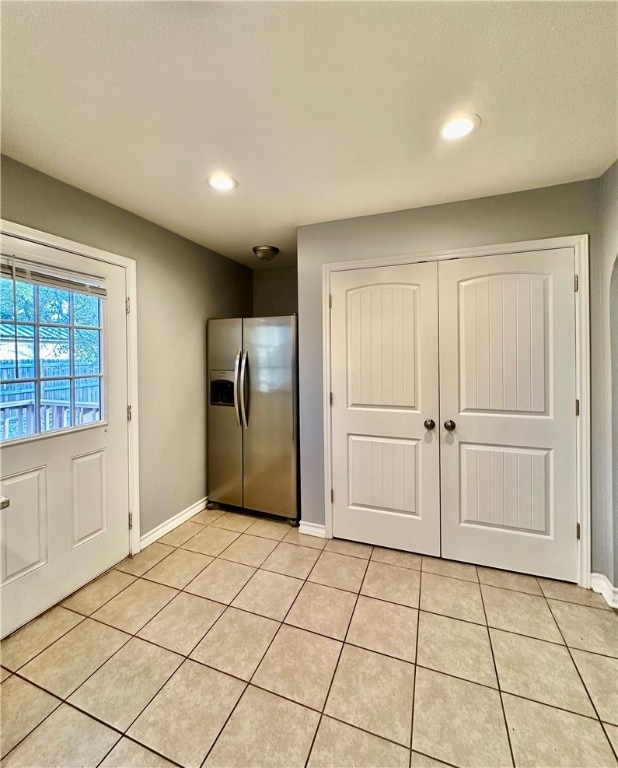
(252,414)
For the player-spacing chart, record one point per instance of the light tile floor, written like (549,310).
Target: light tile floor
(235,641)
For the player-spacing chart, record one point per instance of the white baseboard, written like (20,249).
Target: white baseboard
(600,583)
(312,529)
(172,523)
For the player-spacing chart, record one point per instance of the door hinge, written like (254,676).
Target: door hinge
(332,496)
(577,407)
(577,282)
(128,305)
(331,398)
(579,530)
(330,300)
(128,413)
(130,520)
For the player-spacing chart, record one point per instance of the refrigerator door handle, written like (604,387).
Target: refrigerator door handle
(236,405)
(243,392)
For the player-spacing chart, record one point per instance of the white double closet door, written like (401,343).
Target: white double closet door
(453,409)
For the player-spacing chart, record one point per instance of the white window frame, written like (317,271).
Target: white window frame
(579,244)
(38,237)
(38,380)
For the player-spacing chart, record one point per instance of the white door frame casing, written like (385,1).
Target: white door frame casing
(579,244)
(44,238)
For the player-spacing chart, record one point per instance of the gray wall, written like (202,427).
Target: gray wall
(605,559)
(179,286)
(568,209)
(275,291)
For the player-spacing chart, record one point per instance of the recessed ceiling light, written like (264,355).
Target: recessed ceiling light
(459,126)
(222,182)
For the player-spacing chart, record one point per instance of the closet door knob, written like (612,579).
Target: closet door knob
(429,424)
(449,425)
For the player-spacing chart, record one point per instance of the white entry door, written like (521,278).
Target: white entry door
(63,408)
(507,381)
(384,344)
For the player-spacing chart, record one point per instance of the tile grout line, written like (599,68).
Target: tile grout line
(131,635)
(278,695)
(611,746)
(177,590)
(47,716)
(343,642)
(281,624)
(186,657)
(394,658)
(154,615)
(133,741)
(284,622)
(66,702)
(211,524)
(433,613)
(329,637)
(174,546)
(439,762)
(149,702)
(176,549)
(38,653)
(493,656)
(418,632)
(65,699)
(83,616)
(614,749)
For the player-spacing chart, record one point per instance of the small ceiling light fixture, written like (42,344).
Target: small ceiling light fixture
(460,126)
(265,252)
(222,182)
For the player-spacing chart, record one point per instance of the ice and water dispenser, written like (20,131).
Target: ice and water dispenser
(222,388)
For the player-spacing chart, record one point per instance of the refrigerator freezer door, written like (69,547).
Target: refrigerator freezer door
(224,472)
(270,412)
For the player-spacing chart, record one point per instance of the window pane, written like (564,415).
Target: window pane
(54,351)
(86,308)
(87,352)
(55,407)
(24,297)
(87,400)
(23,352)
(17,410)
(54,306)
(6,299)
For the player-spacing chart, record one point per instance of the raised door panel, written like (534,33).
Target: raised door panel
(383,474)
(89,490)
(503,327)
(505,487)
(382,349)
(24,524)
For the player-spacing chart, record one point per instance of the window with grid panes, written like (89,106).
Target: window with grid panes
(51,351)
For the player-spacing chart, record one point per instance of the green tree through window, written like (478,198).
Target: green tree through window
(50,358)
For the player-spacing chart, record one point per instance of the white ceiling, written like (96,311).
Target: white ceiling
(321,110)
